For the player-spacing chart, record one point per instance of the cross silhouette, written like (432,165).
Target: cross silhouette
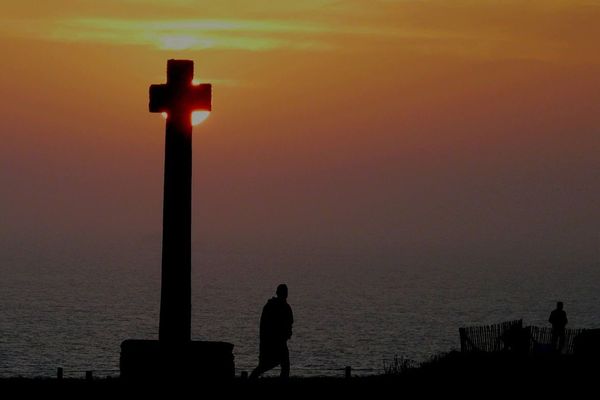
(178,98)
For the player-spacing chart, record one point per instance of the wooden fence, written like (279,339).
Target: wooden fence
(540,339)
(498,337)
(487,338)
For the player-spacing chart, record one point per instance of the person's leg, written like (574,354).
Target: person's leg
(561,341)
(554,340)
(255,372)
(263,366)
(285,363)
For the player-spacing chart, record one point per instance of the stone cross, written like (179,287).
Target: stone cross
(178,98)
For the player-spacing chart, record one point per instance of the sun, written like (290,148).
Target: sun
(198,117)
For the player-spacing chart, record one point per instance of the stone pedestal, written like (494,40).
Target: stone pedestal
(194,360)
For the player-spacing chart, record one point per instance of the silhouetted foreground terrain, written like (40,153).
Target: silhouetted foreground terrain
(470,375)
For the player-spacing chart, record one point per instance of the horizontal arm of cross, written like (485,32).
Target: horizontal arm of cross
(176,98)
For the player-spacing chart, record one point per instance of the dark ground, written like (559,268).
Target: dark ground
(453,374)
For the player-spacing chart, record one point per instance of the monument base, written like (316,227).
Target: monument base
(194,360)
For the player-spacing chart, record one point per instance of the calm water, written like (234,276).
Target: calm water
(59,308)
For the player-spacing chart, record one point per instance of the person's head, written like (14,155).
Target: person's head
(282,291)
(559,305)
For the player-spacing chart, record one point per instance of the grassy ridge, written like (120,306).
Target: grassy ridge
(471,375)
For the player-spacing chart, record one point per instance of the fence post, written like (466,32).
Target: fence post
(59,373)
(348,372)
(89,375)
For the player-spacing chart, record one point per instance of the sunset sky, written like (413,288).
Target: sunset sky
(416,130)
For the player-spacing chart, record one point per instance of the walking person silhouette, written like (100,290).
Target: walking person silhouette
(275,329)
(558,319)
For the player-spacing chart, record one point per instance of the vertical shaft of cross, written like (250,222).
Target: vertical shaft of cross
(178,98)
(175,358)
(175,306)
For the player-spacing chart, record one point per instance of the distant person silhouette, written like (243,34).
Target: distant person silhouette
(275,330)
(558,319)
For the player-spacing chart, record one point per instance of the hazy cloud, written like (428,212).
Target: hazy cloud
(193,34)
(550,29)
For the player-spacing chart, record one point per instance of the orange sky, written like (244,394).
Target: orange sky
(404,128)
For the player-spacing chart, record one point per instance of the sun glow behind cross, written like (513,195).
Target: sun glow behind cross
(198,117)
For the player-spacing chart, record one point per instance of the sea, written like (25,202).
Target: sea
(70,307)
